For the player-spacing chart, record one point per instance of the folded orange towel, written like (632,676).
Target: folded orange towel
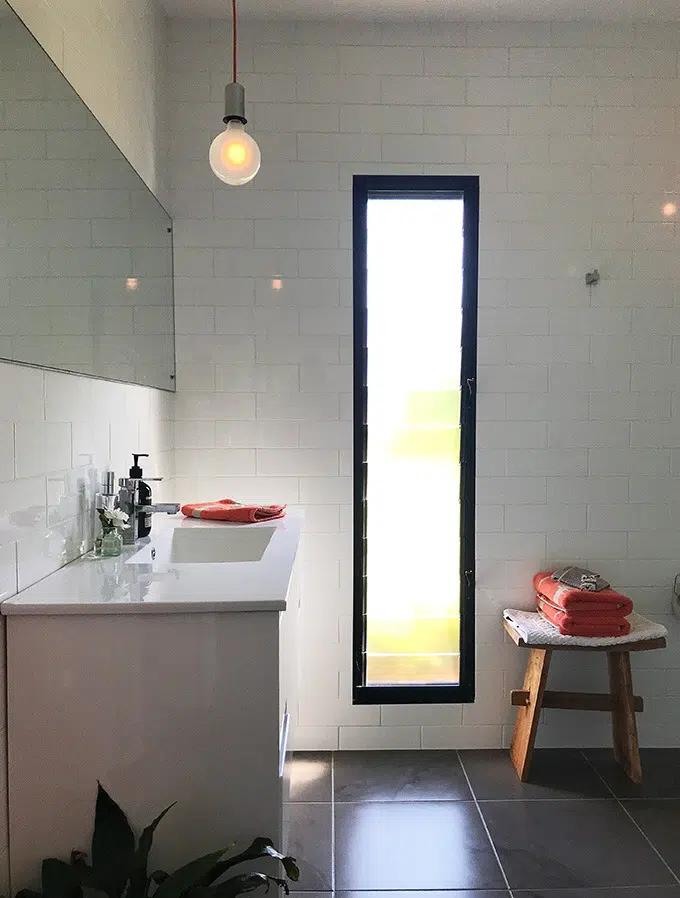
(230,510)
(606,601)
(577,616)
(586,625)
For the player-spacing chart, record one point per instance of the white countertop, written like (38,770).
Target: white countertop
(92,585)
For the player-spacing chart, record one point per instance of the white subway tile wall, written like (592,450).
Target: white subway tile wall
(573,130)
(58,432)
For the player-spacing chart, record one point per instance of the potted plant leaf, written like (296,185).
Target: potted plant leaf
(118,865)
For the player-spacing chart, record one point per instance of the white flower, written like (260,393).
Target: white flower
(119,517)
(114,518)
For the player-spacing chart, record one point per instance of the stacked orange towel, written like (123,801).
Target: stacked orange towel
(230,510)
(578,612)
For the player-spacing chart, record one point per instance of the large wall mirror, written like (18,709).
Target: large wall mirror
(85,247)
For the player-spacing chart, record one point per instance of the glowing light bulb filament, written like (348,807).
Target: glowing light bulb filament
(236,153)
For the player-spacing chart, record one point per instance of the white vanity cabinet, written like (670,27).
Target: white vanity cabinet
(160,700)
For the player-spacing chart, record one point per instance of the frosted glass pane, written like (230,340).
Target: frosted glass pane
(414,319)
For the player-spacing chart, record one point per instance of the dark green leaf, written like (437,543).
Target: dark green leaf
(259,848)
(113,845)
(291,867)
(139,878)
(85,873)
(238,885)
(60,880)
(188,876)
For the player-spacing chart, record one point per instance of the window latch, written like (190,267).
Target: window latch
(468,578)
(470,385)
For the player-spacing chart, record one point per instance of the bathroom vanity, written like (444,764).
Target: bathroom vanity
(167,674)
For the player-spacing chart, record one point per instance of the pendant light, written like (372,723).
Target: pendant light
(234,155)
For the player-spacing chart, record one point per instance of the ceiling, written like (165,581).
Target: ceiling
(433,10)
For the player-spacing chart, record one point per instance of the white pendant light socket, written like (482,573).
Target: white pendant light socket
(234,155)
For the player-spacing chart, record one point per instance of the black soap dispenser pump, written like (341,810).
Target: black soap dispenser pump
(143,495)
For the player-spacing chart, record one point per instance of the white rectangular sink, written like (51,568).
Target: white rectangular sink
(206,545)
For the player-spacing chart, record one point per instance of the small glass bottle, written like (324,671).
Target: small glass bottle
(112,544)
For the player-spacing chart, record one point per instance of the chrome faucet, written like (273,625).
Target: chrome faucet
(128,501)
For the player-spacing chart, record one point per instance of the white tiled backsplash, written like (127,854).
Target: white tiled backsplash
(58,432)
(573,129)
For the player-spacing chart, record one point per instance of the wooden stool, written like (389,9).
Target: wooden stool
(620,700)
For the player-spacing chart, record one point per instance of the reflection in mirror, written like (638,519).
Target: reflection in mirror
(85,247)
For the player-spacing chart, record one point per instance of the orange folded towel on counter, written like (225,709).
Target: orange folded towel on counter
(231,511)
(584,624)
(570,599)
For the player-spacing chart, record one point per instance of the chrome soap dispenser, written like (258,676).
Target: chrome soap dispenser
(143,496)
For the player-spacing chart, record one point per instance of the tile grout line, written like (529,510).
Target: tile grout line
(333,821)
(486,828)
(631,818)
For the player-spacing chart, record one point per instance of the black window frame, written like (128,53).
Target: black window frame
(366,187)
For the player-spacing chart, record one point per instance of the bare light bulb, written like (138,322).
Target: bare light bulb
(234,155)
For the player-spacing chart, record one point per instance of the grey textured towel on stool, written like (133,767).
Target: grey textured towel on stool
(580,578)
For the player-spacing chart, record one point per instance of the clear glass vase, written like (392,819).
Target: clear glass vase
(112,544)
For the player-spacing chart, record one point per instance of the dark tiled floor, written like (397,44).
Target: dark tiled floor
(660,822)
(661,768)
(422,844)
(410,776)
(460,825)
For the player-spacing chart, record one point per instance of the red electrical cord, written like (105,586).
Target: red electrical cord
(233,33)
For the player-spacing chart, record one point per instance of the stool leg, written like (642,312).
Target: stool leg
(526,724)
(624,727)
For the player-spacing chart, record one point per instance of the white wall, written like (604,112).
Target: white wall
(57,433)
(573,130)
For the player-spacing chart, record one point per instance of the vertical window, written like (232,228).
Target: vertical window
(415,320)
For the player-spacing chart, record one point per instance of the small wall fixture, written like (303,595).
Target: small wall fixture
(592,278)
(234,155)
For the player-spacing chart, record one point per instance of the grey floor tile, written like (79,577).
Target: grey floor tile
(660,772)
(660,822)
(399,776)
(555,773)
(419,845)
(454,893)
(620,892)
(571,844)
(310,841)
(310,776)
